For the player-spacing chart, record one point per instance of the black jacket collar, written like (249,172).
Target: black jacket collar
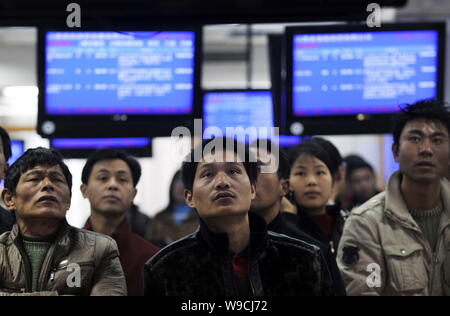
(218,242)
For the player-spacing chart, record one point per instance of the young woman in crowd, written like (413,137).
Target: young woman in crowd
(312,182)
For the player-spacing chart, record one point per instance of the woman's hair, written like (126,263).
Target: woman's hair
(313,148)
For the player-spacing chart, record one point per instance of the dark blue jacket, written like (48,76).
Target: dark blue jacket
(201,265)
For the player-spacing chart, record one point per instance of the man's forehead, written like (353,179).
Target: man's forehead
(220,157)
(42,168)
(426,126)
(114,165)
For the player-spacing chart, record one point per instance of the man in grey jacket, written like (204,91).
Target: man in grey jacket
(43,254)
(398,243)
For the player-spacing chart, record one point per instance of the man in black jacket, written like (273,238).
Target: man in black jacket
(270,189)
(232,253)
(7,219)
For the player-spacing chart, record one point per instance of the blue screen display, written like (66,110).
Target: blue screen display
(289,141)
(362,73)
(97,143)
(17,150)
(238,109)
(116,73)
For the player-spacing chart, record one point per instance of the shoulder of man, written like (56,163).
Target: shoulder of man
(285,241)
(174,249)
(103,245)
(372,208)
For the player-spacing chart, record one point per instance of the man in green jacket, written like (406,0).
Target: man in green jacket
(43,254)
(398,243)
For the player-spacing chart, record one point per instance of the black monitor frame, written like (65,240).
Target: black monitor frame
(353,124)
(79,126)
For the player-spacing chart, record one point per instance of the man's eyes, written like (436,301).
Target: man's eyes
(58,179)
(235,171)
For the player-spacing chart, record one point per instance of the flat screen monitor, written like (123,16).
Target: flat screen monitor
(224,109)
(17,150)
(144,80)
(83,147)
(355,74)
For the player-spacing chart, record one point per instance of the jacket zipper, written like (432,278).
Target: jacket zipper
(434,255)
(53,272)
(27,266)
(332,249)
(46,268)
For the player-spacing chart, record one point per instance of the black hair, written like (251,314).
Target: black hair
(35,157)
(313,148)
(111,154)
(354,162)
(430,110)
(190,164)
(284,167)
(6,143)
(332,151)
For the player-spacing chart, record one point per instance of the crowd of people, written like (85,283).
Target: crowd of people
(317,225)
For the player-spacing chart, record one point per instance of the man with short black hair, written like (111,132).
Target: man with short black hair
(398,242)
(109,181)
(7,219)
(232,253)
(43,254)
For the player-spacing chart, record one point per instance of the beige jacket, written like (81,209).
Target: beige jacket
(383,251)
(99,272)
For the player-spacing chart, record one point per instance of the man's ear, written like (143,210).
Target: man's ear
(395,151)
(69,203)
(83,188)
(8,199)
(189,198)
(253,191)
(284,187)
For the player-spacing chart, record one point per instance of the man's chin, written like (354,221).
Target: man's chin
(112,211)
(224,211)
(45,214)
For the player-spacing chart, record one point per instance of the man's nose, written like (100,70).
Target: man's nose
(222,181)
(47,184)
(112,184)
(425,148)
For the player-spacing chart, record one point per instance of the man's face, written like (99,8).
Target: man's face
(423,153)
(363,184)
(110,187)
(269,187)
(221,188)
(42,192)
